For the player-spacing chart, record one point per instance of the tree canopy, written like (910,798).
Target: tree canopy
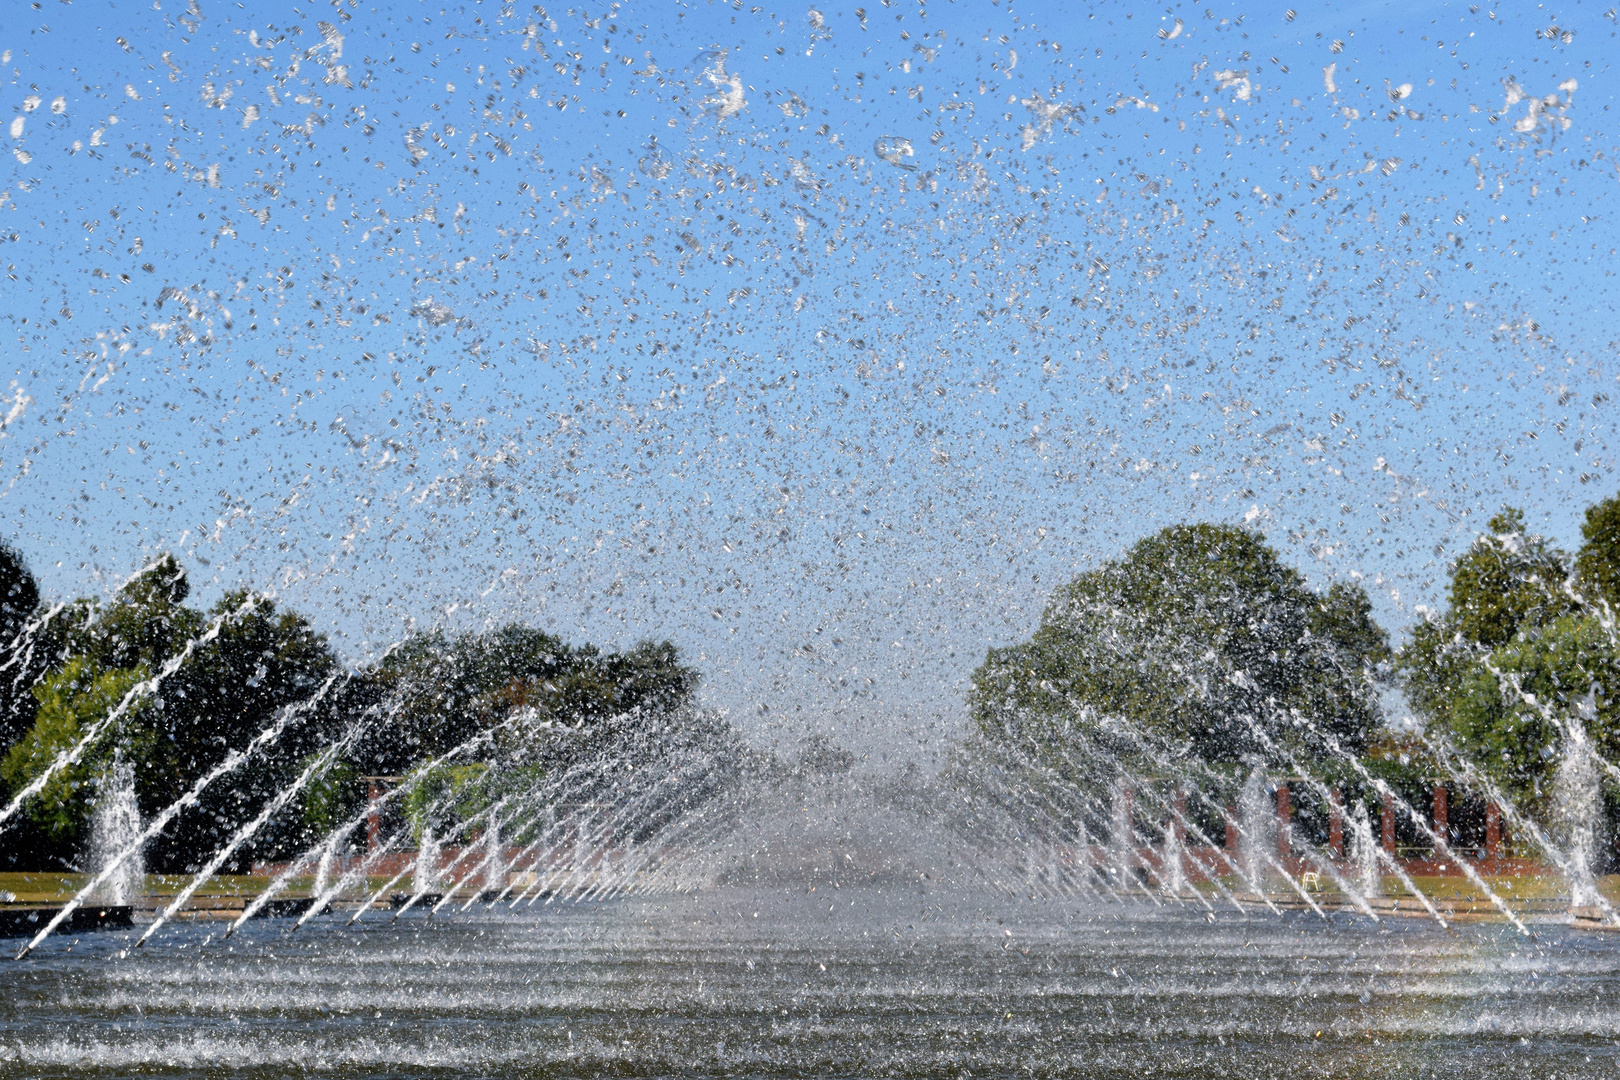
(227,690)
(1200,636)
(1521,652)
(1598,561)
(19,592)
(19,597)
(441,690)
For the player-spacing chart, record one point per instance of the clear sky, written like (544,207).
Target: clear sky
(822,340)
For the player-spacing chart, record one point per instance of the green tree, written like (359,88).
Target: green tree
(231,688)
(546,707)
(1507,581)
(1516,717)
(228,690)
(330,796)
(82,654)
(437,691)
(1515,661)
(1200,635)
(1598,561)
(72,700)
(147,621)
(19,653)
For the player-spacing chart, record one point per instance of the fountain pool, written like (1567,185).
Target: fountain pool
(894,981)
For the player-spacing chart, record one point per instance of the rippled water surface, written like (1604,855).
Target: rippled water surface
(838,982)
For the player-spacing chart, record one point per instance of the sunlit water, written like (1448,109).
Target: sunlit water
(837,982)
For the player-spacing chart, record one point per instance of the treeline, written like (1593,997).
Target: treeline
(180,690)
(1199,653)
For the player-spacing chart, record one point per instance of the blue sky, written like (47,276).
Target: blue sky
(823,343)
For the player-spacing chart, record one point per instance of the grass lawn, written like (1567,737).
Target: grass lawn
(49,888)
(1509,888)
(1524,887)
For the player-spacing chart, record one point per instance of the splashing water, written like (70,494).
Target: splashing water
(425,878)
(1577,797)
(495,872)
(1123,836)
(1369,879)
(114,829)
(323,870)
(1172,869)
(1258,824)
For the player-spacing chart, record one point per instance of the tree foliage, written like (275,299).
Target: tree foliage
(1519,658)
(71,700)
(227,690)
(1598,561)
(1508,579)
(251,674)
(19,597)
(439,691)
(1201,636)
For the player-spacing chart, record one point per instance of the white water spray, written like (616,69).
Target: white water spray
(495,872)
(1172,875)
(1257,822)
(1364,853)
(323,871)
(114,830)
(1124,833)
(425,878)
(1576,797)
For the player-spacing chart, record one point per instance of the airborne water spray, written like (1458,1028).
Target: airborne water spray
(115,837)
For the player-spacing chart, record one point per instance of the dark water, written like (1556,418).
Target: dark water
(839,982)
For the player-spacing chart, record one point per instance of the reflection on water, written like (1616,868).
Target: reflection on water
(839,981)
